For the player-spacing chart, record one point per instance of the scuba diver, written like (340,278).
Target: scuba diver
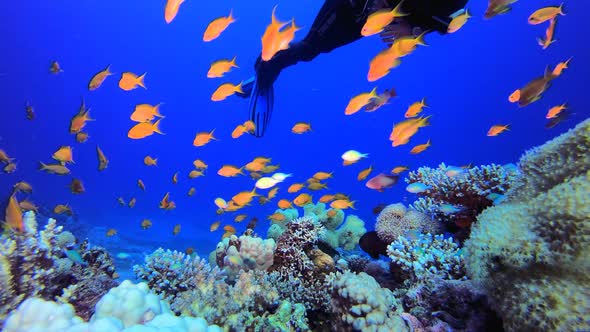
(338,23)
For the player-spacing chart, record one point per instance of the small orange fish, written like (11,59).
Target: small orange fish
(284,204)
(203,138)
(111,232)
(497,129)
(286,37)
(342,204)
(269,169)
(63,155)
(404,130)
(55,68)
(132,202)
(555,110)
(14,215)
(199,164)
(399,169)
(245,197)
(103,162)
(560,67)
(221,67)
(165,202)
(497,7)
(195,173)
(271,38)
(322,175)
(326,198)
(420,148)
(358,102)
(549,33)
(9,168)
(249,126)
(144,129)
(146,112)
(191,191)
(229,228)
(545,14)
(364,173)
(416,108)
(149,161)
(240,217)
(302,200)
(55,169)
(332,213)
(62,208)
(175,178)
(230,171)
(176,229)
(378,20)
(317,186)
(295,187)
(217,26)
(130,81)
(171,10)
(77,187)
(28,206)
(99,78)
(189,251)
(79,120)
(277,217)
(23,187)
(214,226)
(301,127)
(406,45)
(382,64)
(140,184)
(146,223)
(238,131)
(225,90)
(81,137)
(273,192)
(4,157)
(458,22)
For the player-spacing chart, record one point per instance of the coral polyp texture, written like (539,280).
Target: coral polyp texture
(234,254)
(395,220)
(532,253)
(457,195)
(427,256)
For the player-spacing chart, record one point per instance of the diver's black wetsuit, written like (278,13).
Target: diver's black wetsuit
(339,22)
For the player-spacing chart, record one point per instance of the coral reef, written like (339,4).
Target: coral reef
(456,196)
(427,256)
(395,220)
(532,253)
(362,305)
(244,253)
(128,307)
(32,264)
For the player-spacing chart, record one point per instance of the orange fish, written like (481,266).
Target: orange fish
(249,126)
(317,186)
(111,232)
(140,184)
(271,37)
(175,178)
(240,217)
(132,202)
(28,206)
(286,37)
(55,169)
(55,68)
(497,129)
(63,155)
(415,108)
(332,213)
(165,202)
(458,22)
(144,129)
(420,148)
(171,9)
(225,90)
(4,157)
(284,204)
(199,164)
(301,127)
(560,67)
(14,215)
(342,204)
(99,78)
(149,161)
(23,187)
(230,171)
(221,67)
(244,197)
(238,131)
(378,20)
(277,217)
(79,120)
(217,26)
(146,223)
(77,187)
(194,173)
(229,228)
(545,14)
(302,199)
(9,168)
(497,7)
(273,192)
(61,208)
(399,169)
(549,33)
(326,198)
(322,175)
(404,130)
(176,229)
(103,162)
(130,81)
(364,173)
(358,102)
(81,137)
(555,110)
(191,191)
(146,112)
(203,138)
(406,45)
(214,226)
(295,187)
(382,64)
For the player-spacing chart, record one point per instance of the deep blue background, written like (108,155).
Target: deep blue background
(466,79)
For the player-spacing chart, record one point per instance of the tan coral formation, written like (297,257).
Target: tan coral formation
(532,253)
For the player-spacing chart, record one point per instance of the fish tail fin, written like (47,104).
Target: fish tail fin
(549,73)
(231,17)
(561,9)
(420,39)
(211,133)
(42,166)
(397,11)
(140,80)
(233,62)
(156,128)
(351,204)
(157,111)
(239,88)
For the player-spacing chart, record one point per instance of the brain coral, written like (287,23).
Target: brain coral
(532,253)
(396,220)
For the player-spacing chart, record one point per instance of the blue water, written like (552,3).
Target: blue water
(466,79)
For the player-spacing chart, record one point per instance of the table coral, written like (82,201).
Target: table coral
(459,196)
(532,253)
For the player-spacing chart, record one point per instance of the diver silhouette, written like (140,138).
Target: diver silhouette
(338,23)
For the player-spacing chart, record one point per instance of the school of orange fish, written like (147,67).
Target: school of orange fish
(277,36)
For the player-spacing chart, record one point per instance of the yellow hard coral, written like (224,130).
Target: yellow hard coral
(532,253)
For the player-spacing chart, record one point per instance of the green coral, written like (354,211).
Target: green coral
(532,253)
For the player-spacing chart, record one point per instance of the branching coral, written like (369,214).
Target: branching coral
(532,253)
(395,220)
(459,195)
(427,256)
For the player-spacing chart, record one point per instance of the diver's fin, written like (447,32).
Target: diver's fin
(261,105)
